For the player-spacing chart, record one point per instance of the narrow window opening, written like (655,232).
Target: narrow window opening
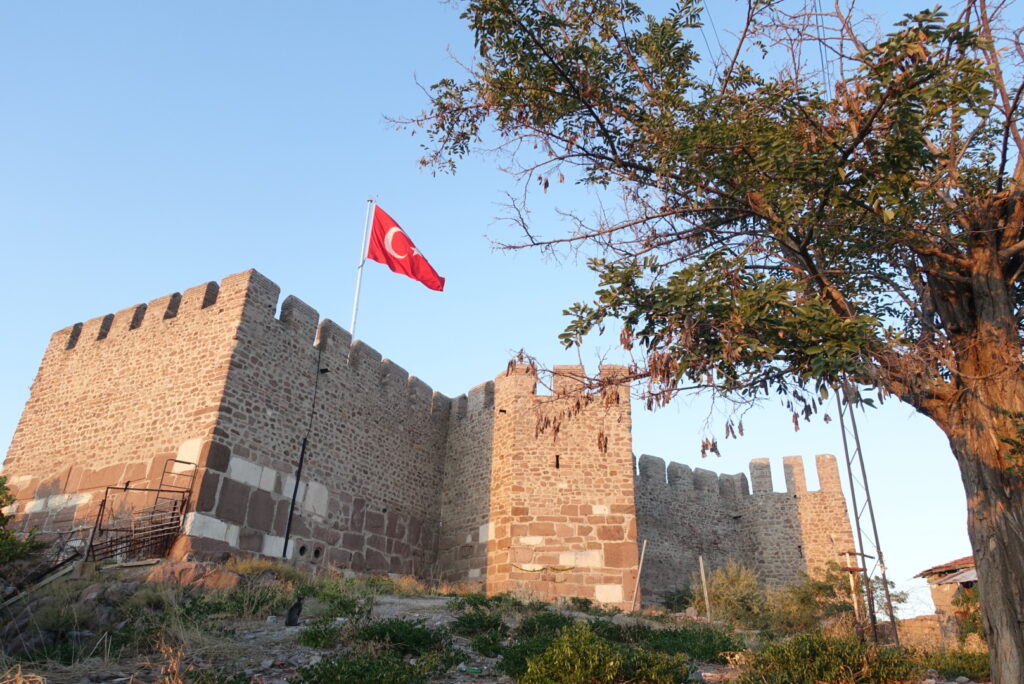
(558,463)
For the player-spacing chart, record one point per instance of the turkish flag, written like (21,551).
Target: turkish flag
(389,245)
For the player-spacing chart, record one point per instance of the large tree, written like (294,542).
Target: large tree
(854,213)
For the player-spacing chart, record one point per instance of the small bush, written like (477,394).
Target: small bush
(322,632)
(476,622)
(489,643)
(408,637)
(953,664)
(699,642)
(342,598)
(498,602)
(813,658)
(736,597)
(250,600)
(533,637)
(387,668)
(544,623)
(579,656)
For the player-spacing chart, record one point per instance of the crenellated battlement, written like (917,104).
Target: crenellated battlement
(652,471)
(520,380)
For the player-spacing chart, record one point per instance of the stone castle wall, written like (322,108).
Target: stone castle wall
(516,490)
(684,514)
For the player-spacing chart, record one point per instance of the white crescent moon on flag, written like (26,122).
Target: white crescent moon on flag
(387,243)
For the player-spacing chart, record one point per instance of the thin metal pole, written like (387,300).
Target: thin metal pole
(640,568)
(704,583)
(874,532)
(362,260)
(843,406)
(302,451)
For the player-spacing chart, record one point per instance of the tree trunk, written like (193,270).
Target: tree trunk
(987,411)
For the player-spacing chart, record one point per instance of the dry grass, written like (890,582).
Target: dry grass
(15,675)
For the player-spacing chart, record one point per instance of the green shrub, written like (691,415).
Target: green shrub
(489,643)
(475,622)
(953,664)
(386,668)
(698,641)
(968,611)
(408,637)
(579,656)
(12,547)
(639,665)
(531,638)
(544,623)
(516,655)
(736,597)
(342,598)
(323,632)
(813,658)
(498,602)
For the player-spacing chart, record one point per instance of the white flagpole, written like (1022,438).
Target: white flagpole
(362,260)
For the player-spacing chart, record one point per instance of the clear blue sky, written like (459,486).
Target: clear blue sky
(149,147)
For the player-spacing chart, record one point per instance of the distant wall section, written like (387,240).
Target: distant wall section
(684,514)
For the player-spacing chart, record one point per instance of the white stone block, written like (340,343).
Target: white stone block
(273,546)
(189,451)
(315,498)
(608,593)
(531,541)
(231,534)
(592,558)
(289,485)
(529,567)
(200,525)
(35,505)
(486,531)
(601,509)
(18,480)
(267,479)
(244,471)
(473,573)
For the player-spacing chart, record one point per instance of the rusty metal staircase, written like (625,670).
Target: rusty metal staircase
(142,522)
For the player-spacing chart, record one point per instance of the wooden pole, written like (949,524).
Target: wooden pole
(640,568)
(704,584)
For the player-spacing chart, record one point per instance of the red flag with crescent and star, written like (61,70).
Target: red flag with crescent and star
(389,245)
